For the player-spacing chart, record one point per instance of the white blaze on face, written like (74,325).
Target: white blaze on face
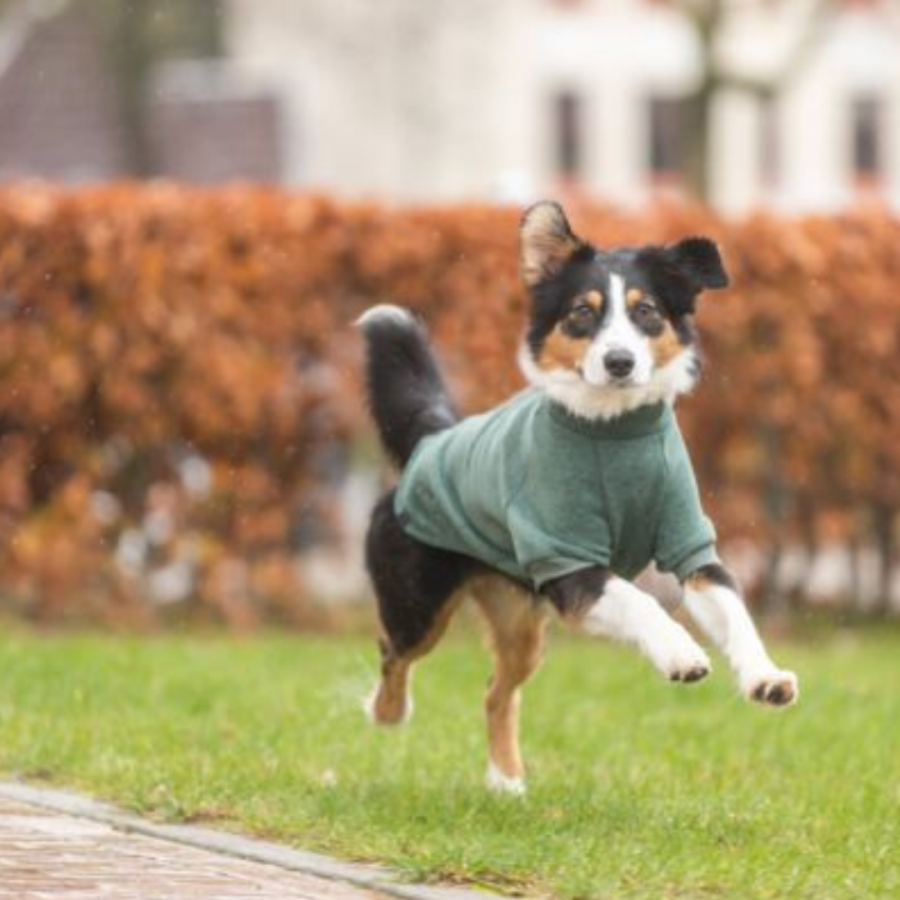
(618,333)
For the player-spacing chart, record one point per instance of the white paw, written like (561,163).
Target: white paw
(773,687)
(499,783)
(678,656)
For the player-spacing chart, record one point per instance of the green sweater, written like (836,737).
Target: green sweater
(538,493)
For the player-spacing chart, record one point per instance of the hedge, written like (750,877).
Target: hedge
(178,374)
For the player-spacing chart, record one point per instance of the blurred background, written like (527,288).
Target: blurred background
(198,196)
(789,103)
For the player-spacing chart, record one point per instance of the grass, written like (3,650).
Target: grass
(638,789)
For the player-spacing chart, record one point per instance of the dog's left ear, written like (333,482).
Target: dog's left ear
(698,259)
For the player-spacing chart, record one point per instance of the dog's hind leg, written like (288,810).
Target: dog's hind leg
(391,702)
(418,590)
(516,619)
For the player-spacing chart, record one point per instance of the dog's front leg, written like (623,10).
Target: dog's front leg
(712,598)
(603,604)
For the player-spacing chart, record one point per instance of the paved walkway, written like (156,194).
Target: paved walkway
(48,855)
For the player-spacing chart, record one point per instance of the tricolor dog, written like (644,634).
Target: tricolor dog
(554,501)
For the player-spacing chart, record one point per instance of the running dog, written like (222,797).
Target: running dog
(554,501)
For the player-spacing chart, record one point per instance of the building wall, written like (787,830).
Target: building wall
(454,99)
(59,115)
(394,98)
(206,127)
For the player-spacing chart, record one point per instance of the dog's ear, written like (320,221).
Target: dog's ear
(679,272)
(698,259)
(547,242)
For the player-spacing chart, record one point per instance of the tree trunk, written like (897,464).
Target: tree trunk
(698,111)
(883,528)
(132,61)
(776,501)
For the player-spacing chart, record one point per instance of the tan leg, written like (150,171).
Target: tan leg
(391,703)
(516,623)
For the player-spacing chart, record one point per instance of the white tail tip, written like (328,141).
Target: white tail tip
(385,311)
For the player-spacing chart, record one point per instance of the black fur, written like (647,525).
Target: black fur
(412,580)
(574,594)
(699,259)
(405,388)
(679,273)
(716,573)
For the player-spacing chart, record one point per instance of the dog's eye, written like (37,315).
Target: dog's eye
(582,314)
(580,321)
(645,310)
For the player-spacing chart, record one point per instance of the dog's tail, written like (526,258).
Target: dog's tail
(406,391)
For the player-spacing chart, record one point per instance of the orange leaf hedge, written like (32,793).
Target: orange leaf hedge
(178,375)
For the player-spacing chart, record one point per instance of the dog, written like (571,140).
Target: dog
(552,502)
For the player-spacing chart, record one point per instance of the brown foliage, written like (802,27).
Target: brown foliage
(150,332)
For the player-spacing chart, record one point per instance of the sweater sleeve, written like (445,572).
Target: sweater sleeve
(686,538)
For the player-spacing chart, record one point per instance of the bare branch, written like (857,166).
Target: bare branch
(707,17)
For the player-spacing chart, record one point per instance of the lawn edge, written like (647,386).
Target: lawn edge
(368,876)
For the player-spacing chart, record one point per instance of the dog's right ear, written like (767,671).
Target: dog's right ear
(547,242)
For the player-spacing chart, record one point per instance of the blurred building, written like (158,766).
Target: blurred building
(207,126)
(507,99)
(442,100)
(70,103)
(58,112)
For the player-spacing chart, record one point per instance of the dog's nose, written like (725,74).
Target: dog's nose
(619,363)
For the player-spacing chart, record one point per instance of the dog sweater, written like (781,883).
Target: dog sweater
(538,493)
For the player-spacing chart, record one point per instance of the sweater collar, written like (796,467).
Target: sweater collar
(640,422)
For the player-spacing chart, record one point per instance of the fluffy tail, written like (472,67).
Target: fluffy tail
(406,392)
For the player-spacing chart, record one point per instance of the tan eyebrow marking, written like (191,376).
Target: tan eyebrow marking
(594,299)
(633,296)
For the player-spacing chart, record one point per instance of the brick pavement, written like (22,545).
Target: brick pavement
(47,855)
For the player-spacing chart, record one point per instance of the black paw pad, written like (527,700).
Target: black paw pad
(696,674)
(689,676)
(778,694)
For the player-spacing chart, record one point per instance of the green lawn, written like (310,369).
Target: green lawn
(638,788)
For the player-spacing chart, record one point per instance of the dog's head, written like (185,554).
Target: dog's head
(611,330)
